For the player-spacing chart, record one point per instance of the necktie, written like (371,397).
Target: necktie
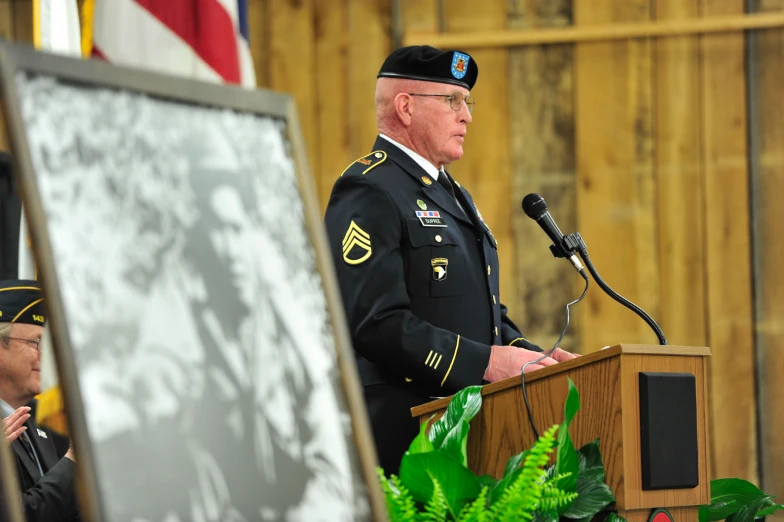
(28,447)
(443,179)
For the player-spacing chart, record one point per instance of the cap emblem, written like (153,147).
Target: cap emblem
(460,65)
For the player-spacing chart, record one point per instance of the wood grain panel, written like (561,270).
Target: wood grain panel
(767,128)
(679,179)
(370,43)
(631,366)
(292,61)
(683,514)
(8,31)
(494,431)
(23,21)
(259,12)
(420,15)
(728,271)
(541,130)
(615,194)
(7,20)
(332,40)
(608,382)
(485,167)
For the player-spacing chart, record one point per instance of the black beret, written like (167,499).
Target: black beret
(21,301)
(425,63)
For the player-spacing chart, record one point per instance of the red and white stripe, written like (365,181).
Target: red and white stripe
(199,39)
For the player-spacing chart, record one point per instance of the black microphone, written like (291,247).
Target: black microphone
(536,209)
(564,246)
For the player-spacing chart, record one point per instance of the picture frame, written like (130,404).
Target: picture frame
(25,71)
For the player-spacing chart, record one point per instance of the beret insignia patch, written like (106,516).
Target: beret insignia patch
(460,65)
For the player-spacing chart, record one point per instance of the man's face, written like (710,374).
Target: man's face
(437,128)
(227,239)
(20,365)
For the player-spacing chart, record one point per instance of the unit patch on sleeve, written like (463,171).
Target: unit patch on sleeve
(356,245)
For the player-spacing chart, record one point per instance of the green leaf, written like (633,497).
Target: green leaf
(400,503)
(488,481)
(515,462)
(463,406)
(419,471)
(719,507)
(421,443)
(501,485)
(572,403)
(591,459)
(614,517)
(593,493)
(568,461)
(436,509)
(748,512)
(727,497)
(456,442)
(592,496)
(476,511)
(769,508)
(545,516)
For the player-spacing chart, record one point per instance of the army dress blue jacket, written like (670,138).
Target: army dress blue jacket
(418,275)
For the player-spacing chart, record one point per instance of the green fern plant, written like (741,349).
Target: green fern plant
(400,503)
(523,497)
(436,485)
(477,510)
(435,510)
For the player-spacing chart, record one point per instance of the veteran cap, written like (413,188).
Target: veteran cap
(425,63)
(21,301)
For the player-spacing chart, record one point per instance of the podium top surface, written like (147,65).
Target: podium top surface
(599,355)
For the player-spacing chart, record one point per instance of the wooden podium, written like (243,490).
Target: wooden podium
(646,404)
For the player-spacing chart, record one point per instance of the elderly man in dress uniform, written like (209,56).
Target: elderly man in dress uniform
(416,263)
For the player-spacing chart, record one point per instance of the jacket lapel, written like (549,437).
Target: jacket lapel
(44,447)
(433,191)
(27,462)
(468,203)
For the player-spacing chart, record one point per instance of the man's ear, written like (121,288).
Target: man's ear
(404,108)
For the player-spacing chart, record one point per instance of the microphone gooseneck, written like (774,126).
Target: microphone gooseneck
(565,246)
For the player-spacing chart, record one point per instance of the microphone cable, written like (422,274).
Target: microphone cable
(619,298)
(547,354)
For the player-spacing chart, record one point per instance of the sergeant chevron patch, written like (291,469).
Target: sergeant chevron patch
(356,245)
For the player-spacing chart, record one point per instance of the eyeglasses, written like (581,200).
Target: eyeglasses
(455,100)
(36,342)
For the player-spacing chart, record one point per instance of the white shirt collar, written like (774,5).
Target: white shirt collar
(422,162)
(5,409)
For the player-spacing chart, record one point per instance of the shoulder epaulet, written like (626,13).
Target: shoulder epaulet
(369,162)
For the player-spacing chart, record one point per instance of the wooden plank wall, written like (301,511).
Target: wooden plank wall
(662,198)
(641,146)
(16,25)
(728,277)
(541,131)
(767,159)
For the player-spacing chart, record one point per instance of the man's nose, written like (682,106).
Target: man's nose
(465,114)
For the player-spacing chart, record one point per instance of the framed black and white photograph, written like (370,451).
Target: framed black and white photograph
(200,340)
(10,499)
